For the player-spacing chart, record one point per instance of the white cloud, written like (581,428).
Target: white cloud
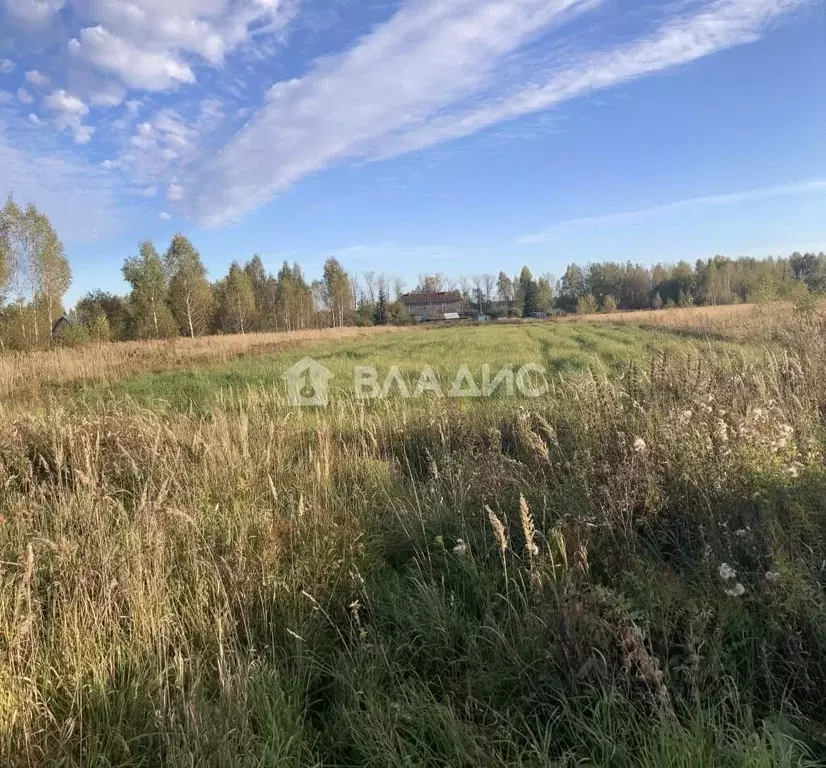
(149,191)
(166,139)
(174,192)
(6,66)
(439,70)
(165,216)
(6,97)
(36,77)
(447,50)
(69,113)
(138,68)
(62,101)
(107,95)
(24,96)
(83,134)
(147,43)
(33,118)
(34,13)
(629,217)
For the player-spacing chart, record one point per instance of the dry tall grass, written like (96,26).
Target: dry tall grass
(28,374)
(249,588)
(677,316)
(739,322)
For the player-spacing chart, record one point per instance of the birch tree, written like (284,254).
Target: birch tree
(50,268)
(151,317)
(13,233)
(338,291)
(236,300)
(190,294)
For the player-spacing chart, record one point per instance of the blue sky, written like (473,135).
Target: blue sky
(409,136)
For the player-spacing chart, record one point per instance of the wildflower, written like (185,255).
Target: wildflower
(736,591)
(741,533)
(639,445)
(792,471)
(726,572)
(461,548)
(686,415)
(772,577)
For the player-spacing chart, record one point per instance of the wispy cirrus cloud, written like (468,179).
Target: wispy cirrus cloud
(81,199)
(630,217)
(431,72)
(443,69)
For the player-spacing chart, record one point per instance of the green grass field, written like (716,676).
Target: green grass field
(626,571)
(561,349)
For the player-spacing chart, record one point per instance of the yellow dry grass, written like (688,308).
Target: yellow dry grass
(738,322)
(31,373)
(674,317)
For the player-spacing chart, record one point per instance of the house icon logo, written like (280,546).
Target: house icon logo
(307,383)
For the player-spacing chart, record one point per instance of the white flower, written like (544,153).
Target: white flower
(741,533)
(726,572)
(639,445)
(792,472)
(772,576)
(461,548)
(736,591)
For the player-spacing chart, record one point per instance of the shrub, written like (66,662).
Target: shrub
(586,305)
(609,304)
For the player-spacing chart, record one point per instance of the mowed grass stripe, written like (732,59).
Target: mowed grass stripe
(563,350)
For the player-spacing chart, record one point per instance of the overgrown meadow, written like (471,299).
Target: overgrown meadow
(626,571)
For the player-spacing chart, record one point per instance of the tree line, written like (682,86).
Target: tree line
(171,293)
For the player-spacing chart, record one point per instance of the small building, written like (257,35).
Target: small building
(433,305)
(60,328)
